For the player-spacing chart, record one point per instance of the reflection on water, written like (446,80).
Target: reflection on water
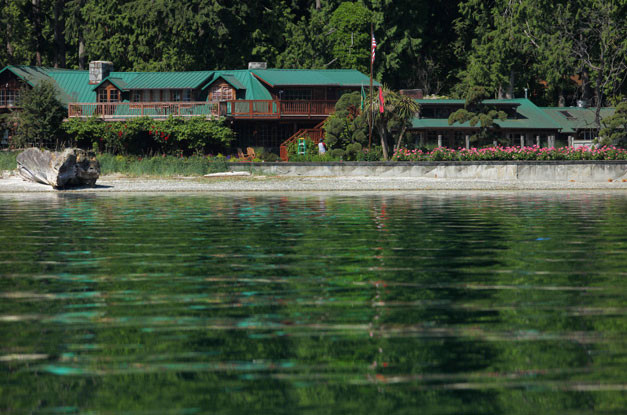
(429,303)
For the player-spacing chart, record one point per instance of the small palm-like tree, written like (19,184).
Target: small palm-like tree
(397,115)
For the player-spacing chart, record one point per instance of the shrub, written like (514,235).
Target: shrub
(142,136)
(512,153)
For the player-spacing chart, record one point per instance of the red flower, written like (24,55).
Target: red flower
(166,137)
(119,133)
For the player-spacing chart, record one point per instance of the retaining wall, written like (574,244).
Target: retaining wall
(579,171)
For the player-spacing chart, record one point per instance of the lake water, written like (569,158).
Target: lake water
(430,303)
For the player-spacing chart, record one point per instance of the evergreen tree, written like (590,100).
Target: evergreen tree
(39,117)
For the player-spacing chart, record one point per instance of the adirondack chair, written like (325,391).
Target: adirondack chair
(247,156)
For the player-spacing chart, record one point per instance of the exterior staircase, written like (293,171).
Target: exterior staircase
(316,134)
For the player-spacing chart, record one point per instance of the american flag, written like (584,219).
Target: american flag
(374,46)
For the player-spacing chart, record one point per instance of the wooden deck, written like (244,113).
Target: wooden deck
(237,109)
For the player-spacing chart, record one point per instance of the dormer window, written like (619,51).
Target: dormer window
(108,94)
(221,92)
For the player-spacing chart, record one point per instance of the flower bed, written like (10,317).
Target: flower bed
(511,153)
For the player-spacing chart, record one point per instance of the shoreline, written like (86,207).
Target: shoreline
(13,184)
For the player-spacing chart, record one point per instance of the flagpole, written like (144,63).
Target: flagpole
(370,103)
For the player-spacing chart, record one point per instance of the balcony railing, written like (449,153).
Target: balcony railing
(242,109)
(276,109)
(123,110)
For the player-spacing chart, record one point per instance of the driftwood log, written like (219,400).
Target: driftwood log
(71,167)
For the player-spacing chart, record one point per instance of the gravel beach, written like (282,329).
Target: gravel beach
(10,183)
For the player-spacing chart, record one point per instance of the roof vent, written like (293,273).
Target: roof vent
(99,70)
(583,103)
(257,65)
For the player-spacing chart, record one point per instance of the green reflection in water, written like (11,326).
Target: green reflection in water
(430,303)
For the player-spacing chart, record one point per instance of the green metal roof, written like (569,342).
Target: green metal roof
(75,85)
(118,82)
(254,88)
(66,91)
(32,75)
(230,79)
(572,119)
(530,117)
(164,80)
(313,77)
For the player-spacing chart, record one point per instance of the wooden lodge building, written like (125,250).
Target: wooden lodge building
(264,106)
(526,124)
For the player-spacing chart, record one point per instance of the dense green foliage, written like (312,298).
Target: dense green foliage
(174,136)
(615,127)
(442,47)
(7,160)
(38,122)
(478,114)
(347,129)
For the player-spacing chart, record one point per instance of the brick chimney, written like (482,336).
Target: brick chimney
(99,70)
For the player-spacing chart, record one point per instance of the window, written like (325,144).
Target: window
(114,95)
(102,95)
(297,94)
(568,115)
(221,93)
(175,95)
(8,97)
(187,95)
(136,96)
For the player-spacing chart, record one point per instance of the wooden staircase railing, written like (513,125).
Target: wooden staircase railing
(316,134)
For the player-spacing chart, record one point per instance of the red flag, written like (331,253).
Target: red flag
(381,100)
(373,47)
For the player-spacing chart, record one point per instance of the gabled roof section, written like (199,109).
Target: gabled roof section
(313,77)
(572,119)
(229,79)
(254,88)
(118,82)
(529,116)
(166,80)
(32,75)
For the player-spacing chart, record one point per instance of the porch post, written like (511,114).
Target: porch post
(522,140)
(570,141)
(538,140)
(439,140)
(467,141)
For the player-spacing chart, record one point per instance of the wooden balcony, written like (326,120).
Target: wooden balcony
(159,110)
(274,109)
(238,109)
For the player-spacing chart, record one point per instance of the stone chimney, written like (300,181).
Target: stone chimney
(412,93)
(99,70)
(257,65)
